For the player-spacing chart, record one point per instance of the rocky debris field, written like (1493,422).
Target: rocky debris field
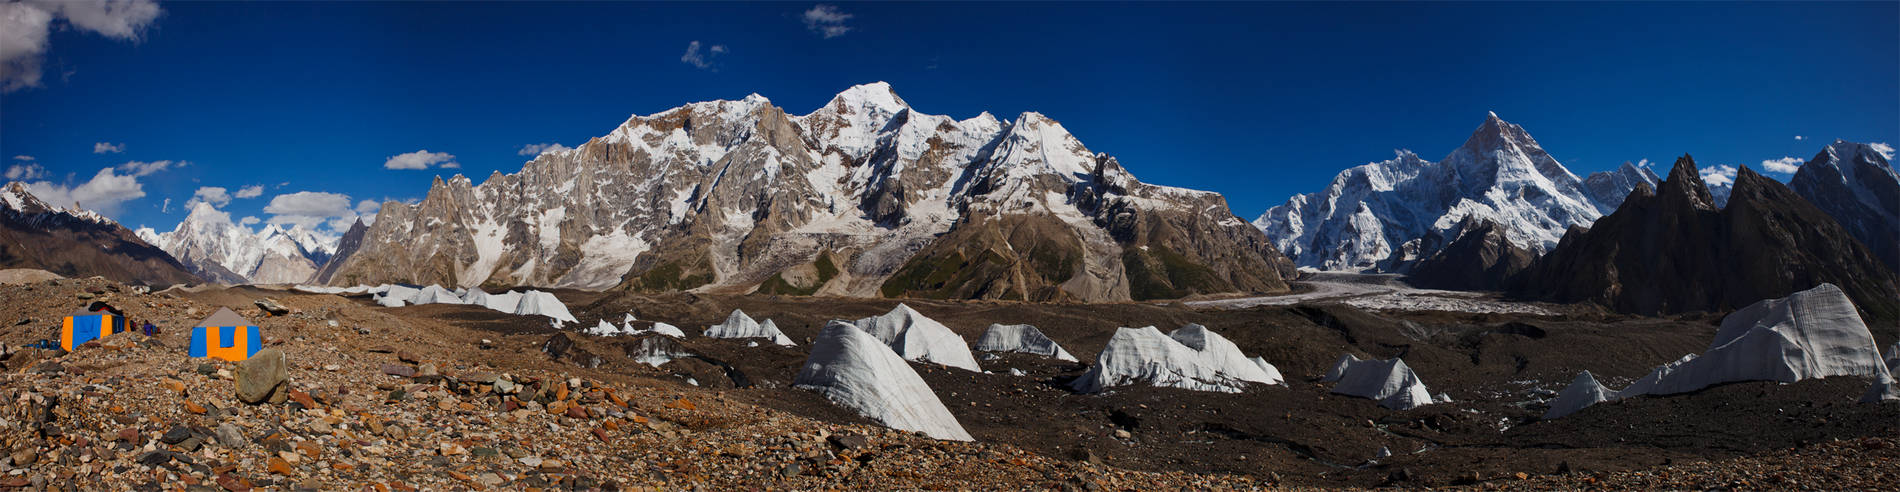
(444,397)
(347,397)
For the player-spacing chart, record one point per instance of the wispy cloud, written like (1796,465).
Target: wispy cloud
(107,148)
(22,157)
(24,27)
(1718,175)
(702,58)
(1800,138)
(1785,165)
(827,20)
(215,196)
(25,171)
(252,191)
(542,148)
(421,159)
(141,168)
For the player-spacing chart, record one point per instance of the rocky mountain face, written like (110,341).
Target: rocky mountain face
(862,197)
(1857,186)
(1608,188)
(1674,250)
(1388,215)
(1480,257)
(214,248)
(351,241)
(78,243)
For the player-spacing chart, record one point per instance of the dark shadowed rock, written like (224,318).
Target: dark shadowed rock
(1481,258)
(1675,251)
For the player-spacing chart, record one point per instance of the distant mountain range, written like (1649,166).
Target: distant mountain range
(862,197)
(1388,215)
(76,242)
(212,247)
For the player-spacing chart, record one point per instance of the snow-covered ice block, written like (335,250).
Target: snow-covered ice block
(657,351)
(1582,392)
(1020,338)
(916,337)
(1224,356)
(540,303)
(860,372)
(1390,382)
(739,325)
(435,294)
(1209,363)
(1815,333)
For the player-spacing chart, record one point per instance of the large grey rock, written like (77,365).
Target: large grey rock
(265,377)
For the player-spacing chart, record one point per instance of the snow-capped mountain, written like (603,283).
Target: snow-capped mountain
(214,248)
(1386,215)
(1856,185)
(76,242)
(1609,188)
(862,197)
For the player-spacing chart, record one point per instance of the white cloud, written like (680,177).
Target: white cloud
(18,172)
(139,168)
(103,193)
(22,157)
(827,20)
(309,209)
(1785,165)
(702,59)
(166,208)
(24,27)
(248,221)
(1718,175)
(1644,163)
(542,148)
(421,159)
(252,191)
(1884,149)
(1799,138)
(365,210)
(216,196)
(107,148)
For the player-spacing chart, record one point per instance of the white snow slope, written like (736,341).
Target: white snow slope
(858,371)
(1020,338)
(919,338)
(1582,392)
(1390,382)
(1379,215)
(738,325)
(1136,355)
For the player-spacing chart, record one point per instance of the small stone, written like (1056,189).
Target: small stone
(25,457)
(427,370)
(176,435)
(207,369)
(407,357)
(505,387)
(263,378)
(230,435)
(849,441)
(194,408)
(399,370)
(271,306)
(1521,475)
(792,470)
(1123,434)
(304,399)
(281,467)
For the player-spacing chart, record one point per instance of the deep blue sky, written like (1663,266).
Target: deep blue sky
(1257,101)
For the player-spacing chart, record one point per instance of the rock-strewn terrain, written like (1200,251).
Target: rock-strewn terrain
(863,197)
(1674,250)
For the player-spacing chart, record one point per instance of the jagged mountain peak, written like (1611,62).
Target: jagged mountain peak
(872,97)
(1686,181)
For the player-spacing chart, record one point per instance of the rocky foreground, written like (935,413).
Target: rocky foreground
(351,396)
(364,400)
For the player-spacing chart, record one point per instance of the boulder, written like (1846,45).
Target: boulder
(264,378)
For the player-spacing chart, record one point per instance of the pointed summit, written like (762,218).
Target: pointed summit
(1686,181)
(876,96)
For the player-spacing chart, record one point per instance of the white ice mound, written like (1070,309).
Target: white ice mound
(1020,338)
(670,330)
(1224,356)
(738,325)
(916,337)
(1339,368)
(1137,355)
(538,303)
(605,329)
(657,351)
(389,295)
(858,371)
(435,294)
(1582,392)
(1390,382)
(1815,333)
